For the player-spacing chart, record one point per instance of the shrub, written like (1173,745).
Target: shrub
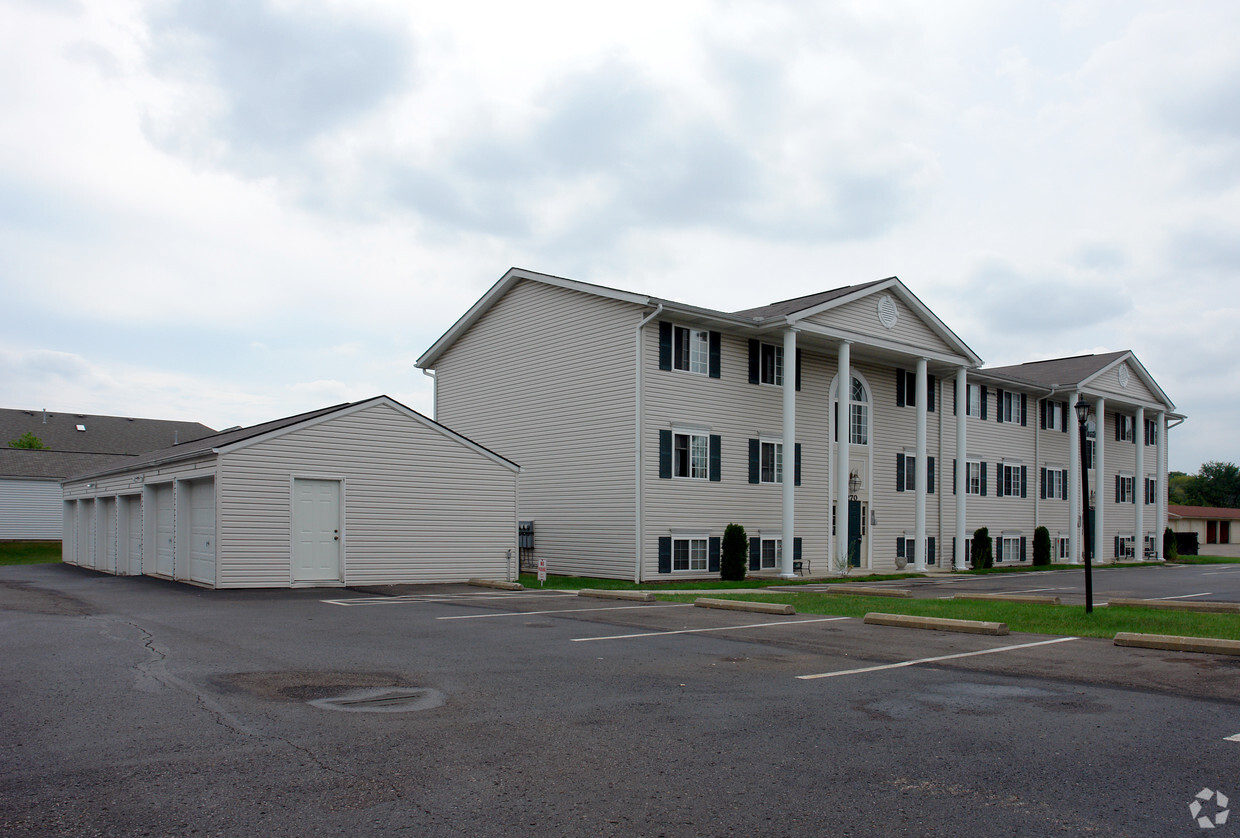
(1041,546)
(1171,550)
(732,563)
(983,550)
(1186,544)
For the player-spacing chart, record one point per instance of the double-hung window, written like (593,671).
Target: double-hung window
(772,552)
(975,401)
(1125,428)
(1063,549)
(691,455)
(1055,483)
(689,554)
(1009,548)
(973,477)
(771,467)
(1011,480)
(771,364)
(1151,491)
(1151,432)
(906,473)
(691,350)
(1009,406)
(1124,492)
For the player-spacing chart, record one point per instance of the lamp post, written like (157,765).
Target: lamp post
(1082,417)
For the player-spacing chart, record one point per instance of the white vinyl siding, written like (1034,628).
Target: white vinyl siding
(30,510)
(861,317)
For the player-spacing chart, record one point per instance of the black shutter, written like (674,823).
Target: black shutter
(955,396)
(716,355)
(1063,426)
(1024,412)
(1117,546)
(999,549)
(1043,489)
(955,475)
(755,554)
(998,405)
(985,399)
(983,470)
(754,460)
(931,386)
(1024,481)
(1042,405)
(1117,488)
(930,550)
(796,549)
(665,554)
(1117,435)
(716,457)
(665,454)
(1024,544)
(998,480)
(930,475)
(899,388)
(665,346)
(796,480)
(900,547)
(798,369)
(899,472)
(712,554)
(754,361)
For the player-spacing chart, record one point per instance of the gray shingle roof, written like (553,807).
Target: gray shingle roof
(786,307)
(1061,372)
(54,465)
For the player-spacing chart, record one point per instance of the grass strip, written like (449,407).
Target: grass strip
(530,580)
(1032,618)
(1206,560)
(29,552)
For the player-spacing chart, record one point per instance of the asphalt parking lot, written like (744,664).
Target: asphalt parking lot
(138,707)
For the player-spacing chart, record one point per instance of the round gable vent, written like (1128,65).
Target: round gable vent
(1122,373)
(888,314)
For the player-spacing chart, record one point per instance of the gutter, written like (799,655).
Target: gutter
(434,393)
(637,448)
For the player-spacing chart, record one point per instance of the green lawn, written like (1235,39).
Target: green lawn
(1206,560)
(29,552)
(1019,616)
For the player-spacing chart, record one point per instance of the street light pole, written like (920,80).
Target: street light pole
(1082,417)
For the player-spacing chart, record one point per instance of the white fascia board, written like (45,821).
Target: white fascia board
(861,339)
(1142,373)
(513,276)
(896,286)
(363,405)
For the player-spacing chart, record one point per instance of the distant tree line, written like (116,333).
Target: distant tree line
(1215,484)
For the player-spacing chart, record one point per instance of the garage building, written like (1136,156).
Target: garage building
(367,493)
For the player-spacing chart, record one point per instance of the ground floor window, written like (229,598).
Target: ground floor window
(688,554)
(1124,546)
(1010,548)
(1063,548)
(772,552)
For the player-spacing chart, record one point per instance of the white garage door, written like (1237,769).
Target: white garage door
(106,549)
(163,529)
(129,539)
(201,503)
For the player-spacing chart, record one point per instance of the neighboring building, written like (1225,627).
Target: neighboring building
(1213,526)
(369,493)
(644,426)
(75,442)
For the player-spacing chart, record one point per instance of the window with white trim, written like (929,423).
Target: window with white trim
(1125,428)
(772,552)
(1151,491)
(975,401)
(1011,548)
(771,462)
(689,554)
(1009,407)
(1063,548)
(1124,492)
(771,364)
(1054,416)
(973,477)
(691,350)
(1011,479)
(691,455)
(910,472)
(1125,547)
(858,414)
(1151,432)
(1055,484)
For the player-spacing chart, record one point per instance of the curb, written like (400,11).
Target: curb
(741,605)
(1041,600)
(858,591)
(1173,643)
(600,593)
(875,618)
(496,583)
(1178,605)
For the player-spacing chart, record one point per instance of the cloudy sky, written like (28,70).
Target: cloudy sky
(232,210)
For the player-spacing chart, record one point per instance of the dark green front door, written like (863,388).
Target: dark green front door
(854,533)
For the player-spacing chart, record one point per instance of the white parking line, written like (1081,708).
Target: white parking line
(718,628)
(565,611)
(934,660)
(1220,572)
(408,598)
(1186,596)
(1031,590)
(1235,738)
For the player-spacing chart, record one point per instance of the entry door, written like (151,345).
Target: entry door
(164,530)
(316,530)
(133,531)
(856,518)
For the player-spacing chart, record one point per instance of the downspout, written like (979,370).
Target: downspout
(434,393)
(637,448)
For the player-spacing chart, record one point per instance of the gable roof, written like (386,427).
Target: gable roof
(1216,512)
(762,318)
(32,464)
(232,440)
(1079,371)
(101,434)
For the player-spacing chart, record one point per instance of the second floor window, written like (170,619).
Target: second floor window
(691,350)
(691,456)
(772,364)
(771,468)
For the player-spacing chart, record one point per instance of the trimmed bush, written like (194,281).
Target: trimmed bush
(734,550)
(983,550)
(1171,550)
(1041,546)
(1186,544)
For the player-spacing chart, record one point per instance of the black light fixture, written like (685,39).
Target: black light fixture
(1082,418)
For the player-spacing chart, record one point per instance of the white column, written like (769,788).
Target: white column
(844,382)
(790,450)
(962,468)
(921,470)
(1100,486)
(1076,520)
(1162,487)
(1138,487)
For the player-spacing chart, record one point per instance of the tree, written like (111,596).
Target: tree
(983,549)
(732,565)
(28,440)
(1041,546)
(1215,484)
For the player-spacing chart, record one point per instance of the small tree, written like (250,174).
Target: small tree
(732,564)
(28,440)
(1041,546)
(983,551)
(1171,549)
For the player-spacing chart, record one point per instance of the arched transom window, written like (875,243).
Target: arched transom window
(858,413)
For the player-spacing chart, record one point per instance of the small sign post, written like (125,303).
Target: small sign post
(542,571)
